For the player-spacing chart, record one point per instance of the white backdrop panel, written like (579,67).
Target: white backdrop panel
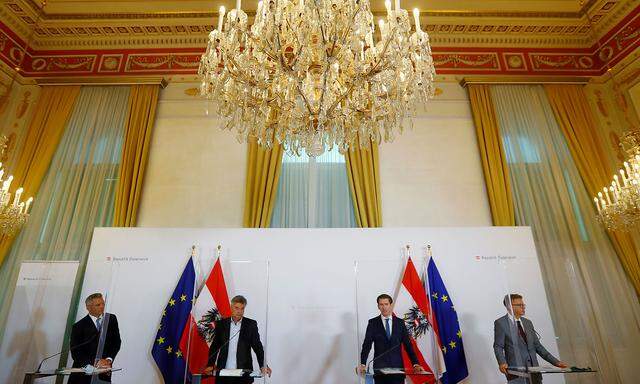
(36,323)
(309,328)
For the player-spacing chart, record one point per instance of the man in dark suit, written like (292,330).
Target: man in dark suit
(85,338)
(232,343)
(516,342)
(386,332)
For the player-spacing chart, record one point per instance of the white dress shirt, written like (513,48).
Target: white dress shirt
(384,323)
(234,329)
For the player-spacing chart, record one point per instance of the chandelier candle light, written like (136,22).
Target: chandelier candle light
(619,204)
(13,214)
(311,74)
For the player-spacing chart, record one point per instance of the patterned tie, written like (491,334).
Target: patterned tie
(387,328)
(521,331)
(99,323)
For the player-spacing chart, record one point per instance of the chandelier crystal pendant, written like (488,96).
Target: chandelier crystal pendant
(313,73)
(13,213)
(618,205)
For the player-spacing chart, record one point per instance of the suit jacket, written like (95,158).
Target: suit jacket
(387,352)
(248,339)
(509,347)
(84,331)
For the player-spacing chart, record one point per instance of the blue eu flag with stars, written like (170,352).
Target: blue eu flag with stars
(449,328)
(175,317)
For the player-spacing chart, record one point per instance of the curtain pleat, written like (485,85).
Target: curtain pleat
(263,172)
(363,171)
(578,126)
(143,102)
(494,164)
(44,132)
(595,311)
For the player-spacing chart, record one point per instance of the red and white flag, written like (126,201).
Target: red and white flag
(211,305)
(412,305)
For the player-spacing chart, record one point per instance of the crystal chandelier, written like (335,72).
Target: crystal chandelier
(311,74)
(13,214)
(618,205)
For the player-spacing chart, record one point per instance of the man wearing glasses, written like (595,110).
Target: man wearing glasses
(516,343)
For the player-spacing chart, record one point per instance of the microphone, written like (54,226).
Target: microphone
(70,349)
(225,343)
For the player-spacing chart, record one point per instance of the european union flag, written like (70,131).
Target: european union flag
(449,327)
(166,348)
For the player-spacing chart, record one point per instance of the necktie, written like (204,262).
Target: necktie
(99,323)
(521,331)
(387,328)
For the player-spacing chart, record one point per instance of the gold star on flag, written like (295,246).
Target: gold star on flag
(435,295)
(160,340)
(172,302)
(179,354)
(164,312)
(183,298)
(452,344)
(444,349)
(459,334)
(445,298)
(160,326)
(169,349)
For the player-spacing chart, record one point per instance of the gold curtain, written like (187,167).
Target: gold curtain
(363,172)
(45,130)
(263,172)
(494,163)
(141,114)
(578,126)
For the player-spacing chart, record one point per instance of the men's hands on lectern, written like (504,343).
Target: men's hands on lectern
(103,363)
(562,364)
(266,371)
(503,368)
(208,371)
(418,368)
(361,369)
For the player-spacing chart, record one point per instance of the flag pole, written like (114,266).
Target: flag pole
(266,322)
(191,316)
(436,342)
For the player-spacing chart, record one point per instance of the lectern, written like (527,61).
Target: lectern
(31,377)
(197,379)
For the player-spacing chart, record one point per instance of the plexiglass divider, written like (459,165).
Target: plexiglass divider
(33,337)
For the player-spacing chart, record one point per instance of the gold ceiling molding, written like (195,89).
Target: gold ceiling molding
(34,5)
(523,80)
(102,80)
(186,29)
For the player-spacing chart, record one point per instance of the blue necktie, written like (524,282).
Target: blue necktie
(99,323)
(387,328)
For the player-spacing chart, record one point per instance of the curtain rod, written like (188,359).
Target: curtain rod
(523,80)
(107,80)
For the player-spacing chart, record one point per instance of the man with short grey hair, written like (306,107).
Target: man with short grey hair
(85,339)
(516,342)
(232,343)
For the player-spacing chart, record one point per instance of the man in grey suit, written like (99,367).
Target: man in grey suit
(516,342)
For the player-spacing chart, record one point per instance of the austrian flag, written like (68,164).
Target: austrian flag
(412,304)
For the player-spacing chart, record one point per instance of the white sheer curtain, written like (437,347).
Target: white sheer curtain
(593,305)
(78,192)
(313,192)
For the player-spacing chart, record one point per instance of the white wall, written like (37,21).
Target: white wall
(431,175)
(195,175)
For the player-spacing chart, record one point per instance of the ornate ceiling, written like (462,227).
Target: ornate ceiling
(123,37)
